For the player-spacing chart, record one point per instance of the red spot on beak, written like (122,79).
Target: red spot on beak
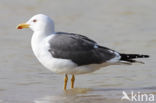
(19,27)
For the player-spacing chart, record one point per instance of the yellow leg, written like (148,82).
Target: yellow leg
(72,81)
(65,81)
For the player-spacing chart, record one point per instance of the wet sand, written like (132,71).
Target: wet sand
(123,25)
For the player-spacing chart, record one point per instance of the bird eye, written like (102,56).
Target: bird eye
(34,20)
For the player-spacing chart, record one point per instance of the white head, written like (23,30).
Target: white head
(39,23)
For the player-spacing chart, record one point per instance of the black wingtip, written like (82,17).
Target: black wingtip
(145,56)
(138,56)
(130,57)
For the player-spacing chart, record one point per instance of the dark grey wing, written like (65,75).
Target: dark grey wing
(80,49)
(77,36)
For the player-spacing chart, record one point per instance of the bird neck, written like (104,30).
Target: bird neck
(37,39)
(38,36)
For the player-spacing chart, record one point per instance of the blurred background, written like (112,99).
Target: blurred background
(128,26)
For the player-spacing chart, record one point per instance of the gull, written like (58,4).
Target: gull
(70,53)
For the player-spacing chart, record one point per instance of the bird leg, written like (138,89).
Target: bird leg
(72,81)
(65,81)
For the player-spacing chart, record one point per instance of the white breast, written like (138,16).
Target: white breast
(40,48)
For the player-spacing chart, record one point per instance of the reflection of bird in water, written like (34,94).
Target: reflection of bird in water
(69,53)
(75,95)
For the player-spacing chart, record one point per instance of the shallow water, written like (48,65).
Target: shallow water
(123,25)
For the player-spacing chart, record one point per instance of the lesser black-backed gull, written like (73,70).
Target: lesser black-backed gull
(69,53)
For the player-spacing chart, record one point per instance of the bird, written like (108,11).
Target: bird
(69,53)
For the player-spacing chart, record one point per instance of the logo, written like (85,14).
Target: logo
(138,96)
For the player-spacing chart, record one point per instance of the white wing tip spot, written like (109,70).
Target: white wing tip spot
(95,46)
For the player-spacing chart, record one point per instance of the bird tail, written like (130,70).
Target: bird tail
(130,57)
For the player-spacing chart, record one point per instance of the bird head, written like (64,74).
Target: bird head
(39,23)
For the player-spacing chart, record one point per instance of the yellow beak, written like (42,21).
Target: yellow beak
(21,26)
